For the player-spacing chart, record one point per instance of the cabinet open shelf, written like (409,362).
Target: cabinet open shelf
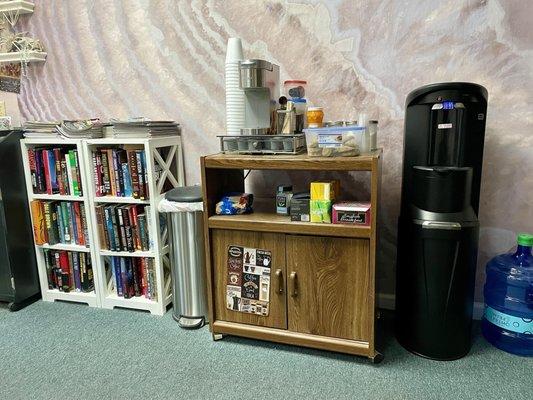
(265,220)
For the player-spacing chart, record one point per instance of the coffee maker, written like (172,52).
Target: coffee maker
(259,80)
(438,227)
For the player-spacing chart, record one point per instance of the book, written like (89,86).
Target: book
(96,175)
(127,229)
(109,229)
(105,173)
(124,278)
(65,184)
(33,170)
(140,175)
(132,162)
(65,271)
(136,278)
(117,172)
(57,162)
(102,235)
(39,222)
(39,167)
(111,170)
(121,228)
(116,265)
(87,284)
(128,192)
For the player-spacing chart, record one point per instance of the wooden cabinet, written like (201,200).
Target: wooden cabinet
(328,286)
(275,242)
(322,276)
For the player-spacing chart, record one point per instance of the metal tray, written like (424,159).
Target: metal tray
(262,144)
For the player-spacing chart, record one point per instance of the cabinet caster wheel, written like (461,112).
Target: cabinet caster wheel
(378,357)
(218,336)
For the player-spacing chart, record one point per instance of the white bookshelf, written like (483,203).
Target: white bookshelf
(166,156)
(90,298)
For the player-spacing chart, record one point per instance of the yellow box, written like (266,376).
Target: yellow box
(325,190)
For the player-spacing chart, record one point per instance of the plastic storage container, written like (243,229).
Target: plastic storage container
(335,141)
(508,319)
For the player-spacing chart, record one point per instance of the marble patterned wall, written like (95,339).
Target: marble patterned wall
(165,59)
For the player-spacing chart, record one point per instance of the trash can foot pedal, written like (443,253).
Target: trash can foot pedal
(189,323)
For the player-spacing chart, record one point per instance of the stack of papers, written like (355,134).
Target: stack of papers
(40,129)
(82,129)
(142,128)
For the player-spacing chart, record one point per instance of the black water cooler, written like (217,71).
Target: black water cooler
(438,228)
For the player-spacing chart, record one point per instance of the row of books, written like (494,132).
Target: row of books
(134,277)
(69,270)
(55,171)
(120,172)
(123,227)
(59,222)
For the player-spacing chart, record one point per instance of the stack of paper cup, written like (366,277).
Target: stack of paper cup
(234,95)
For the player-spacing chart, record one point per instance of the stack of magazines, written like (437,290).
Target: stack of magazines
(144,128)
(40,129)
(82,129)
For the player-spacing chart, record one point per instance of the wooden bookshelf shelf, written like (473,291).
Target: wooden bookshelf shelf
(65,246)
(117,199)
(55,197)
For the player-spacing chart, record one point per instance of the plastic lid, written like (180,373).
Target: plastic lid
(314,108)
(298,100)
(525,239)
(295,81)
(185,194)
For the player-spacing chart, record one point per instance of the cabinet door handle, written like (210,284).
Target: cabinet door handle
(279,274)
(294,284)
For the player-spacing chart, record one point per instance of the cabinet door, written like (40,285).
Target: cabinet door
(221,240)
(328,286)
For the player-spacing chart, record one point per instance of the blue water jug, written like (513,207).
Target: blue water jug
(508,319)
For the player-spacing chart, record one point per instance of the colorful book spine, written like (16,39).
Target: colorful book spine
(105,173)
(116,263)
(128,192)
(96,175)
(33,170)
(132,162)
(39,222)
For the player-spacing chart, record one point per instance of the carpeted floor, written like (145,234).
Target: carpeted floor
(70,351)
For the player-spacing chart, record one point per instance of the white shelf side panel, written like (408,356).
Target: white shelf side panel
(164,158)
(92,298)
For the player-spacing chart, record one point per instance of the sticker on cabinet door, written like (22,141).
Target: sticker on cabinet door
(248,280)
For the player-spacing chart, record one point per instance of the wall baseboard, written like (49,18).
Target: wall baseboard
(387,301)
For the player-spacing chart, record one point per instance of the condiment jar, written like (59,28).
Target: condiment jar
(315,115)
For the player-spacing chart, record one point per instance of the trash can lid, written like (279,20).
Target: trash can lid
(185,194)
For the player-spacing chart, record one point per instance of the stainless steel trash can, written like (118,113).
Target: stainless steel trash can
(186,235)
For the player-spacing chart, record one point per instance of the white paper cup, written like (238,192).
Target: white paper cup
(234,50)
